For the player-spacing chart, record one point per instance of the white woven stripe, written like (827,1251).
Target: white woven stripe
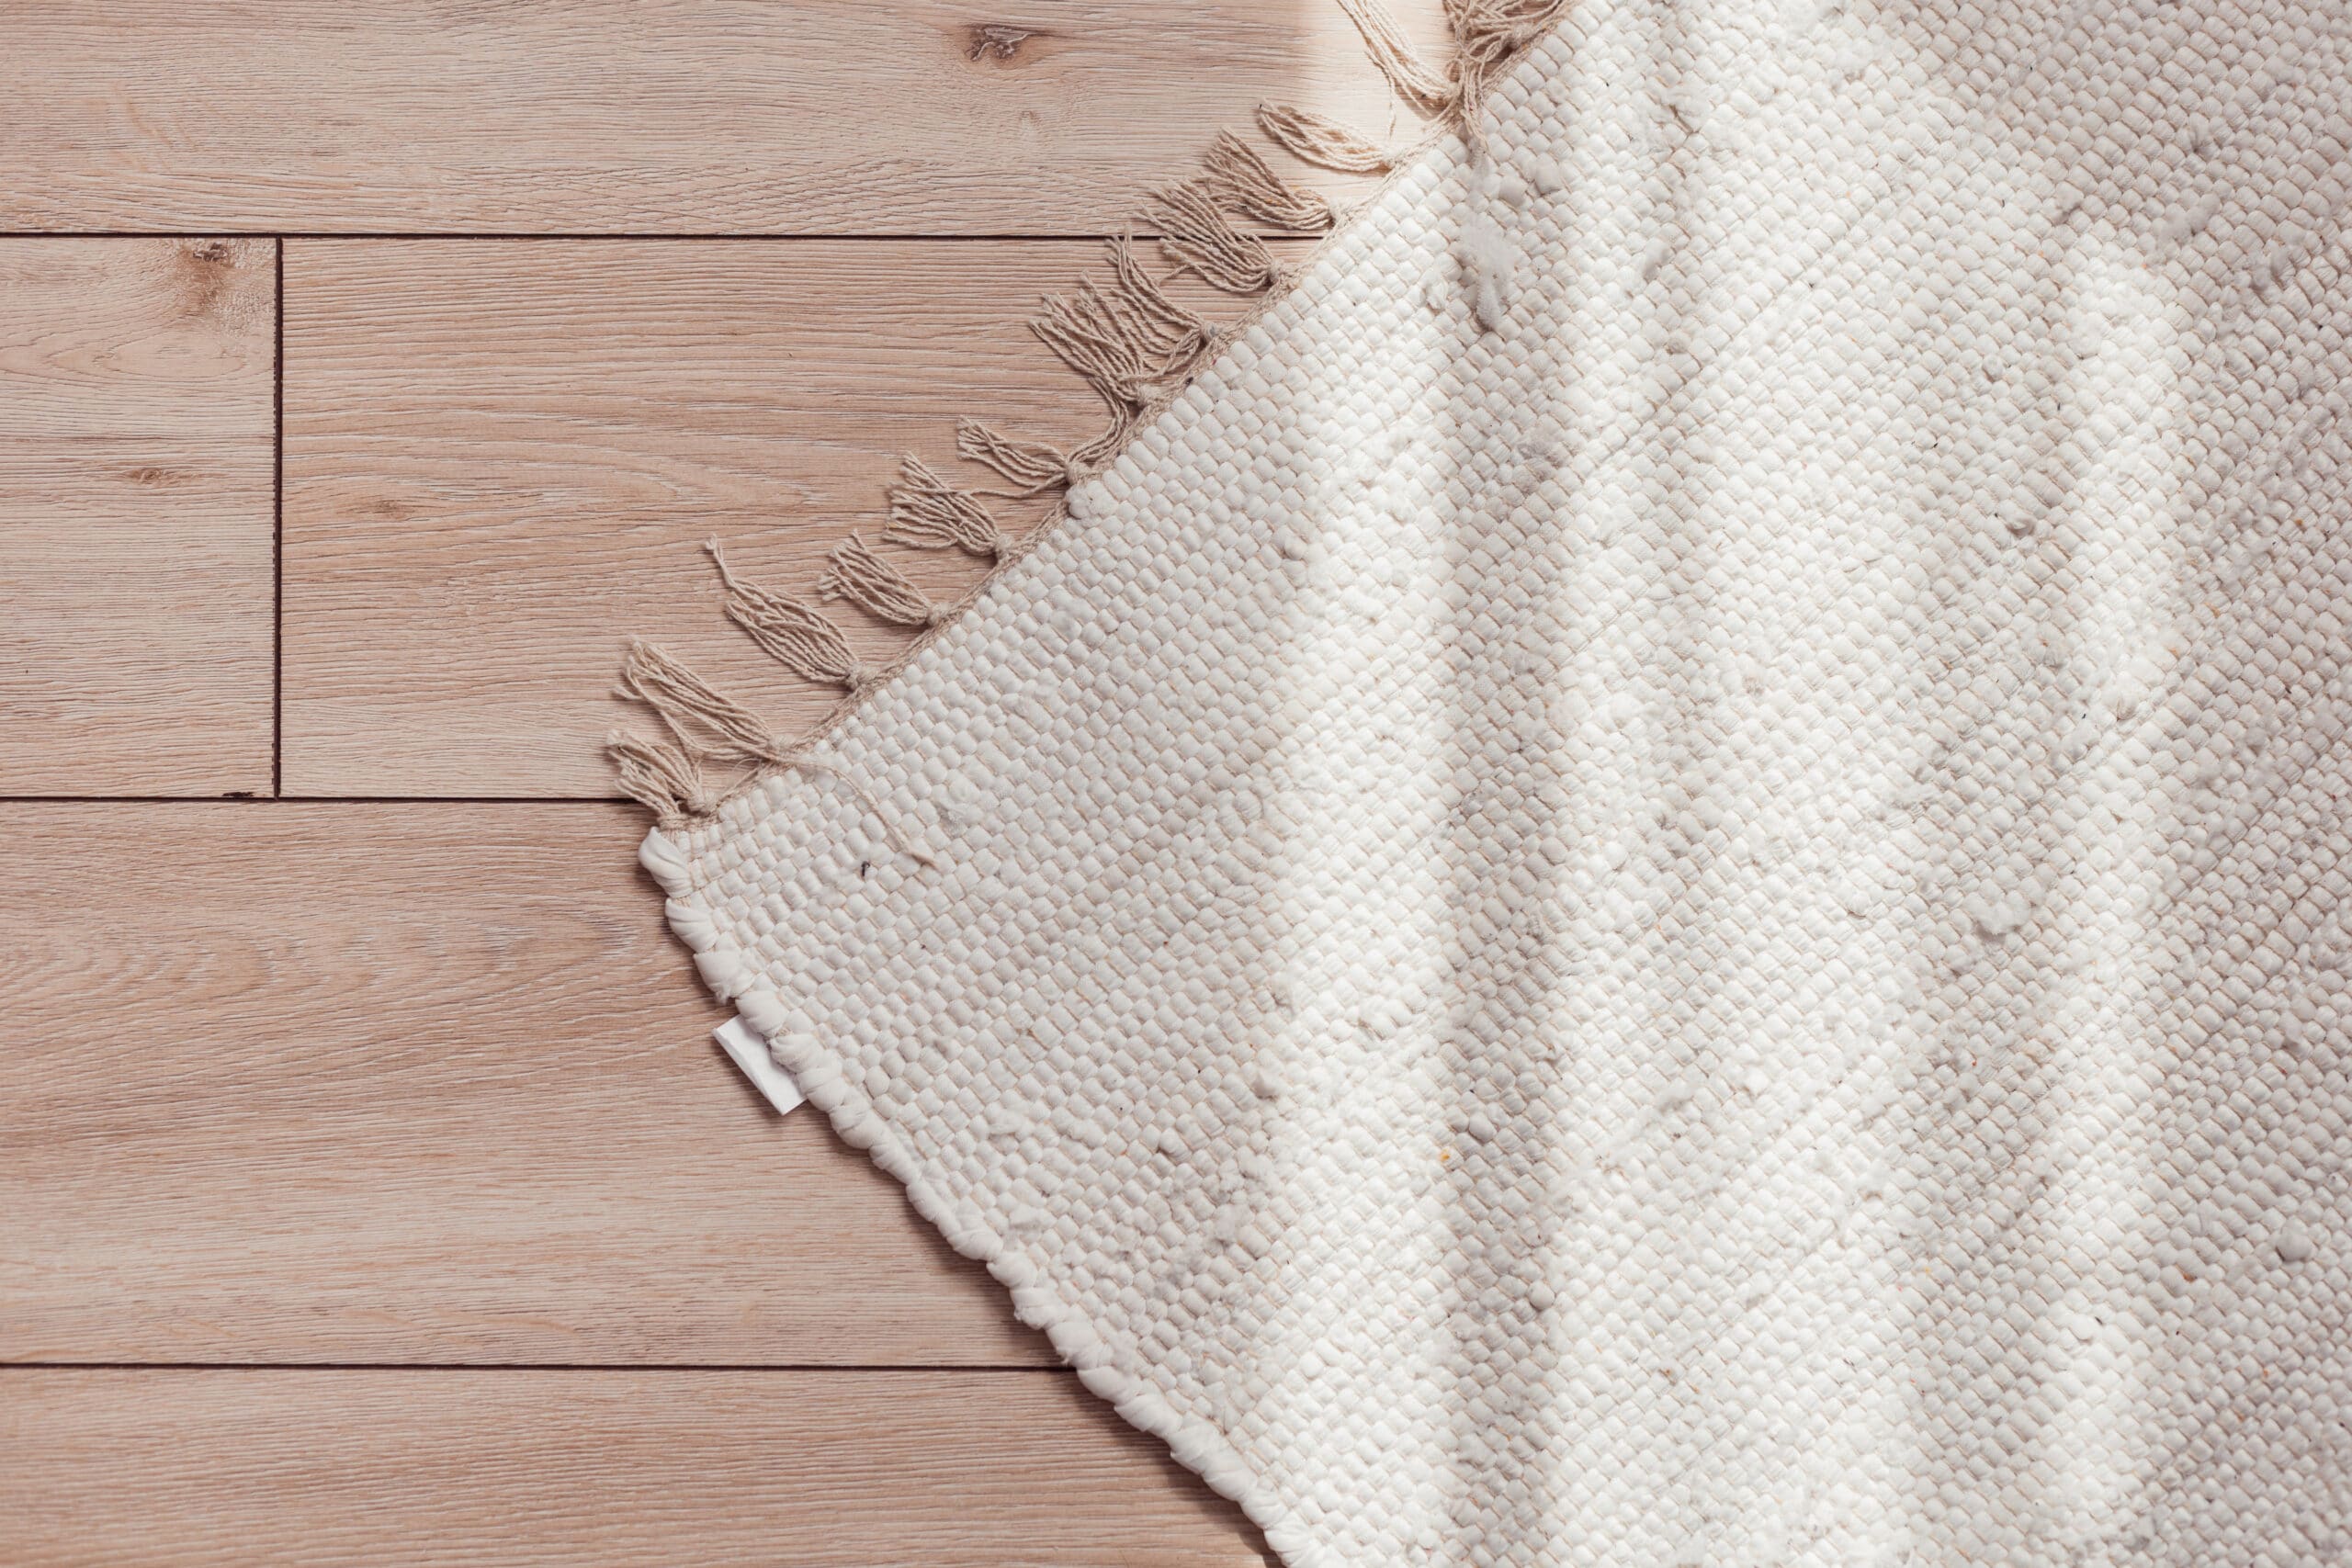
(1705,928)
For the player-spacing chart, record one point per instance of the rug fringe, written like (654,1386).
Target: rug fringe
(660,777)
(1177,340)
(1249,187)
(1130,342)
(800,636)
(1315,139)
(1488,35)
(1032,465)
(1419,83)
(928,513)
(1128,339)
(1101,344)
(709,727)
(853,572)
(1196,235)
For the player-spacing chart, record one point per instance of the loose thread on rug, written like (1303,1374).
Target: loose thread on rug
(1314,139)
(853,572)
(1249,186)
(1196,235)
(899,840)
(1428,90)
(929,513)
(709,725)
(800,636)
(1030,467)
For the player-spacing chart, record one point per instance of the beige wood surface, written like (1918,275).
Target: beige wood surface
(135,524)
(290,1082)
(912,117)
(331,1468)
(502,459)
(370,1190)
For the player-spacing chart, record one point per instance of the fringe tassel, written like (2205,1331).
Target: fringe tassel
(1196,235)
(1175,340)
(1131,343)
(662,779)
(855,573)
(1241,177)
(1032,465)
(929,513)
(1326,143)
(1429,90)
(1084,335)
(709,727)
(1124,416)
(1490,34)
(800,638)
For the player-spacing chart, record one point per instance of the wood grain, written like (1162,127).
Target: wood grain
(353,1083)
(287,1089)
(502,459)
(135,515)
(327,1469)
(919,117)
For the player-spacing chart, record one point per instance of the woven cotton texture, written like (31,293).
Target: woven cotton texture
(1660,881)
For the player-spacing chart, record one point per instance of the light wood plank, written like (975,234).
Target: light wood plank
(135,526)
(363,1467)
(338,1082)
(502,459)
(919,117)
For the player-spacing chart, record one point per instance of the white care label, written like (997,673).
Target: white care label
(740,1041)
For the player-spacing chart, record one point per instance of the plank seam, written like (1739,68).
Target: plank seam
(278,524)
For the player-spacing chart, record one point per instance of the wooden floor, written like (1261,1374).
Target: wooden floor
(370,1190)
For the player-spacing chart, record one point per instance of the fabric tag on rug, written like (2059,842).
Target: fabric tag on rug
(749,1052)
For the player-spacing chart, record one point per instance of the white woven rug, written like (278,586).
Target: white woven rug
(1699,921)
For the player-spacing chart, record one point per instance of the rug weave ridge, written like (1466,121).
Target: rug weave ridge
(1660,880)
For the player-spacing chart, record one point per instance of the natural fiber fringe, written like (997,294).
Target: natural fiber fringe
(1033,466)
(1127,338)
(1198,237)
(660,778)
(1489,35)
(1410,77)
(1131,343)
(1313,139)
(929,513)
(855,573)
(794,635)
(1240,177)
(710,726)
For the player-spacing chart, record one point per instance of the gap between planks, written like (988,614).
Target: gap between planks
(277,520)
